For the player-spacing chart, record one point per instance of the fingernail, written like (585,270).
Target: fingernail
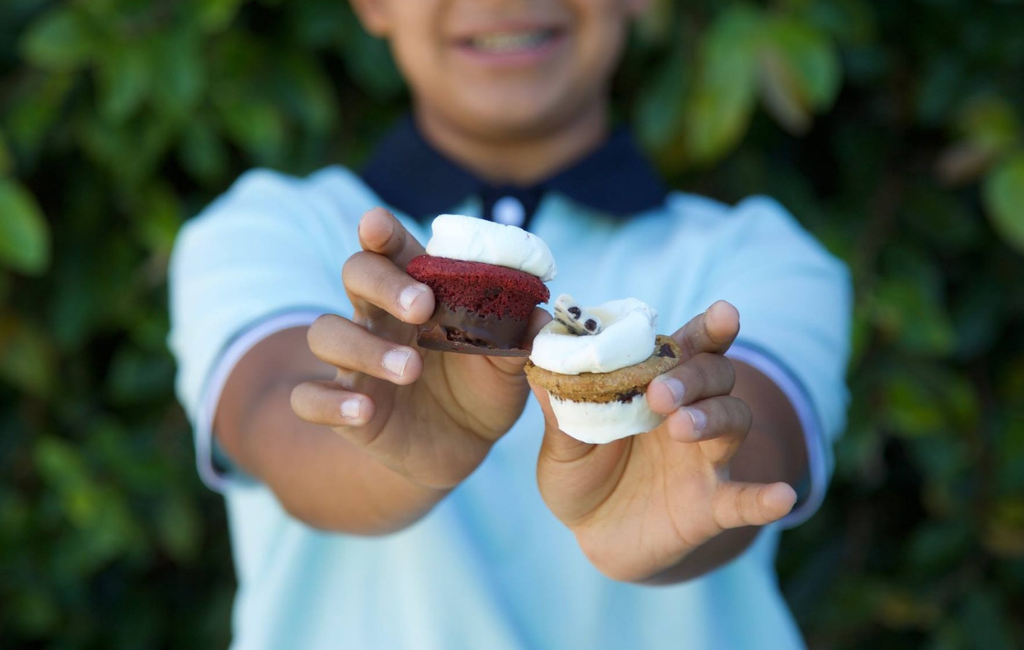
(409,294)
(700,419)
(675,387)
(351,407)
(395,361)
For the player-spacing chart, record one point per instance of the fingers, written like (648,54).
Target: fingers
(702,376)
(380,232)
(711,419)
(713,331)
(751,504)
(323,402)
(342,343)
(373,282)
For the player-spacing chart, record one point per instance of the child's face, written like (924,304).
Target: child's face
(504,68)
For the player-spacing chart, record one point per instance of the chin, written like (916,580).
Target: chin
(517,115)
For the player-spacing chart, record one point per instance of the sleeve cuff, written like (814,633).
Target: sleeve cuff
(814,438)
(215,478)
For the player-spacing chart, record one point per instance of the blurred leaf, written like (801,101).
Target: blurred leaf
(202,152)
(35,115)
(1004,200)
(35,611)
(137,376)
(799,73)
(216,15)
(308,94)
(6,162)
(178,64)
(937,547)
(723,99)
(923,400)
(125,81)
(323,23)
(985,616)
(179,527)
(259,128)
(988,128)
(941,88)
(849,21)
(26,356)
(655,24)
(899,609)
(990,123)
(911,408)
(158,218)
(93,508)
(660,107)
(1004,529)
(60,40)
(24,232)
(369,61)
(905,309)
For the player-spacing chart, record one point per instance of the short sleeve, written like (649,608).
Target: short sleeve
(795,304)
(265,256)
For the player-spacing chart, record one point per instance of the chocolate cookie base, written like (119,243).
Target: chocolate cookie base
(460,330)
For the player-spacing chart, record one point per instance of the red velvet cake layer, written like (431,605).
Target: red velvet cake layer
(483,288)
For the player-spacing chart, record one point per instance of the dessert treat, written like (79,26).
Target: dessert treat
(575,318)
(597,379)
(486,278)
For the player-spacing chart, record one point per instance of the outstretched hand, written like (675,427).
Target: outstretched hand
(640,505)
(430,416)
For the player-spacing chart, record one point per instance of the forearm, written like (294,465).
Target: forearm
(774,450)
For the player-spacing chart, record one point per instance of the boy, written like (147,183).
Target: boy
(437,531)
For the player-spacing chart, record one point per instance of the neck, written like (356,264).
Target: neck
(516,160)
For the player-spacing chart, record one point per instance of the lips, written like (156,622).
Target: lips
(510,42)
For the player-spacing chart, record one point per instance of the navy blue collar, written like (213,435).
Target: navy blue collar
(410,175)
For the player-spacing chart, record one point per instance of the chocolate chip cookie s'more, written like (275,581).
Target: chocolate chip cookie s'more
(596,363)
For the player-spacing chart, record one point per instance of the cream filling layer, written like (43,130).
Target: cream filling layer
(459,237)
(602,423)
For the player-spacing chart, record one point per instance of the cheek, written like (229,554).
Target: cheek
(602,31)
(415,42)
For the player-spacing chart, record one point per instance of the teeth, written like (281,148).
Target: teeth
(510,41)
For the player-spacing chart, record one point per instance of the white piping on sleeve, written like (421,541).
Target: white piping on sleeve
(234,352)
(814,438)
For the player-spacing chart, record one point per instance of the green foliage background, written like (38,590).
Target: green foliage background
(893,129)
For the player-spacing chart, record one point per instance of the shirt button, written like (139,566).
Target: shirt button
(509,211)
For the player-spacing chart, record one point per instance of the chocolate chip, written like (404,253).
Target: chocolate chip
(575,311)
(666,351)
(627,397)
(591,324)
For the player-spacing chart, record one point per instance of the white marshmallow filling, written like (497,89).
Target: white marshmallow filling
(601,423)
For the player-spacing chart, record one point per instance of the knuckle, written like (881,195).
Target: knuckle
(299,401)
(350,268)
(740,502)
(746,417)
(728,374)
(317,331)
(699,377)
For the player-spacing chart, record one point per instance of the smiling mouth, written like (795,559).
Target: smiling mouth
(511,42)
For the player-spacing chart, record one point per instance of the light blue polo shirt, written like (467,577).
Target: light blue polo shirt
(490,567)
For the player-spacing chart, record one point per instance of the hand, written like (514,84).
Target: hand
(640,505)
(430,416)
